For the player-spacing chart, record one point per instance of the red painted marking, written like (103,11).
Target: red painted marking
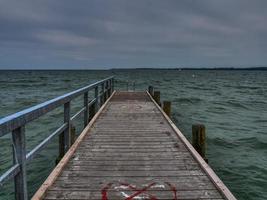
(173,190)
(142,191)
(105,190)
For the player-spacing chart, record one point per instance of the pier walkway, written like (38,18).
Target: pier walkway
(132,150)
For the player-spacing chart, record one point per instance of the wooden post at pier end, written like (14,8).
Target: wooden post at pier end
(151,90)
(199,139)
(167,107)
(157,97)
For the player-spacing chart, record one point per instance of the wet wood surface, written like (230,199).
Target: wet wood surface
(131,152)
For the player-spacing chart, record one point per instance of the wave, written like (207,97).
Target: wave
(253,142)
(237,104)
(191,100)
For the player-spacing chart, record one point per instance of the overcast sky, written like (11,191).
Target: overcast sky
(68,34)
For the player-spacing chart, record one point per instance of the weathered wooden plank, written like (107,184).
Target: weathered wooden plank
(133,180)
(163,173)
(131,155)
(122,147)
(95,182)
(131,150)
(97,187)
(135,167)
(111,161)
(186,194)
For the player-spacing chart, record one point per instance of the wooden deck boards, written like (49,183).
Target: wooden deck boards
(132,152)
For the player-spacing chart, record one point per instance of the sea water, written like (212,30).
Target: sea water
(231,104)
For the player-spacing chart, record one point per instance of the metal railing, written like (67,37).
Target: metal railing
(15,124)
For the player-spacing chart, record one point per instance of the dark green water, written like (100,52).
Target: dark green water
(232,105)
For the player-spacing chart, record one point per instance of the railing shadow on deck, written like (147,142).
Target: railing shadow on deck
(15,124)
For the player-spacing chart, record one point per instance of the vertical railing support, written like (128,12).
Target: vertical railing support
(112,85)
(102,94)
(109,88)
(85,114)
(19,143)
(199,139)
(106,91)
(72,134)
(67,130)
(96,99)
(92,111)
(60,147)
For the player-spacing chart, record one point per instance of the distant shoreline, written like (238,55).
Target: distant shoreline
(176,69)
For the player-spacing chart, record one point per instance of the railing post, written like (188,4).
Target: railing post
(102,94)
(112,85)
(72,134)
(92,110)
(109,88)
(67,130)
(96,99)
(106,91)
(19,143)
(60,147)
(85,104)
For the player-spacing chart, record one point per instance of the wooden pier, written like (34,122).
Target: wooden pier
(129,150)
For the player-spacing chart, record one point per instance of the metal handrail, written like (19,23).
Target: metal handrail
(18,119)
(15,123)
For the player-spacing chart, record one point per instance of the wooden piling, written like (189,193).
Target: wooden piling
(151,90)
(156,97)
(167,107)
(199,139)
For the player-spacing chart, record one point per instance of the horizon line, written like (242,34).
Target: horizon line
(140,68)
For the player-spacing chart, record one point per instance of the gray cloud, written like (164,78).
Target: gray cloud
(119,33)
